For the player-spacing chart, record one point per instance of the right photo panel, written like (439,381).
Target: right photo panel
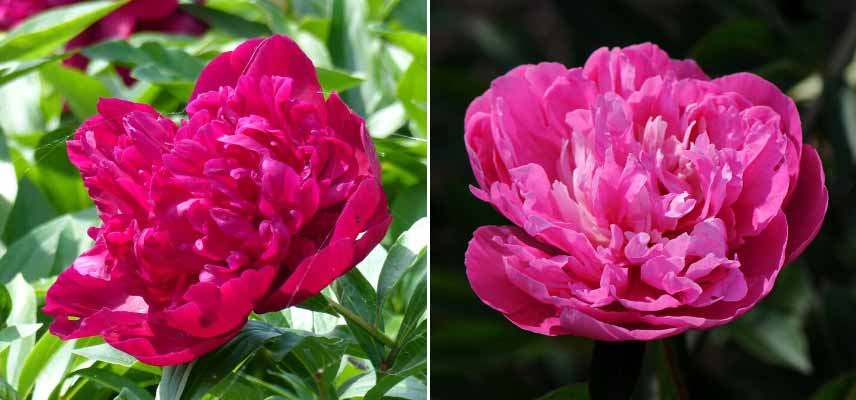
(646,200)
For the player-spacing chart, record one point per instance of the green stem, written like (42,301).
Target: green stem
(674,368)
(353,317)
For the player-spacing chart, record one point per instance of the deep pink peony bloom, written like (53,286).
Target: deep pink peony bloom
(648,198)
(260,199)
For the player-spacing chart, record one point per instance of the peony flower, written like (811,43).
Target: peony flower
(263,196)
(648,199)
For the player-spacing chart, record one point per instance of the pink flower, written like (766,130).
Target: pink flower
(648,198)
(262,197)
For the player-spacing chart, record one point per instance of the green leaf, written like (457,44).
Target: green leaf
(21,102)
(48,249)
(357,294)
(150,73)
(402,255)
(386,121)
(120,51)
(318,303)
(7,392)
(8,182)
(774,337)
(410,360)
(195,379)
(81,91)
(736,45)
(577,391)
(371,266)
(414,43)
(333,80)
(23,312)
(245,387)
(42,34)
(5,306)
(411,14)
(415,311)
(54,174)
(840,388)
(277,20)
(126,394)
(233,25)
(115,382)
(9,71)
(848,118)
(31,209)
(350,46)
(172,62)
(407,208)
(410,388)
(11,333)
(45,366)
(310,360)
(106,353)
(413,94)
(171,68)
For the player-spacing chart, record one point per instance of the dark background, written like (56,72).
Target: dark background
(802,337)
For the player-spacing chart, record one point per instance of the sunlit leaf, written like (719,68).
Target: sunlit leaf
(402,255)
(78,89)
(42,34)
(49,249)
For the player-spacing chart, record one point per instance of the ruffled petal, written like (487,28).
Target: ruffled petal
(807,206)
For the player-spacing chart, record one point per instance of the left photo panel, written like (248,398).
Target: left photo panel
(213,199)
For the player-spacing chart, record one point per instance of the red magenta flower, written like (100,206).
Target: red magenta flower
(262,197)
(648,199)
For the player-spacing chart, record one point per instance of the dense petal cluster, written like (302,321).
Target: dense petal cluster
(263,196)
(648,199)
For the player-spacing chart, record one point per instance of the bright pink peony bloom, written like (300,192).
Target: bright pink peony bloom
(648,198)
(260,199)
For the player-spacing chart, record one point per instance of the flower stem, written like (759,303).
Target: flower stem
(353,317)
(671,358)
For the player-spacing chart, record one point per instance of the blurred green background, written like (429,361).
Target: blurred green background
(798,343)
